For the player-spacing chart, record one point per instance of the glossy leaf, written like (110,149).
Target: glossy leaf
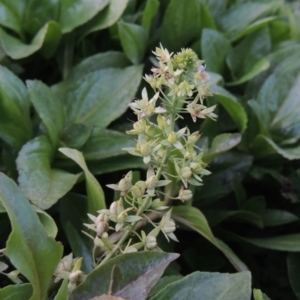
(104,143)
(15,124)
(181,24)
(220,144)
(48,107)
(41,184)
(106,18)
(16,49)
(149,13)
(232,106)
(293,266)
(209,286)
(40,256)
(78,12)
(133,40)
(214,47)
(17,291)
(100,97)
(96,198)
(138,274)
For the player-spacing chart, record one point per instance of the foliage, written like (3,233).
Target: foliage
(68,71)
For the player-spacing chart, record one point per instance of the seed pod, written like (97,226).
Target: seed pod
(151,242)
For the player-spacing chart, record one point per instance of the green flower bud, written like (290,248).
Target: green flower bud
(151,242)
(169,227)
(140,125)
(145,149)
(194,137)
(172,137)
(196,167)
(186,172)
(138,189)
(161,121)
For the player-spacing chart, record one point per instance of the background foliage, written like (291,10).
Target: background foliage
(69,69)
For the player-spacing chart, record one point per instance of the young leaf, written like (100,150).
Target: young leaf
(96,198)
(15,124)
(134,41)
(138,274)
(41,184)
(208,286)
(40,253)
(48,107)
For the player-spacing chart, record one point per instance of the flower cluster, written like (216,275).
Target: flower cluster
(180,85)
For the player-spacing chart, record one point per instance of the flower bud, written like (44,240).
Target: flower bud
(151,242)
(186,172)
(101,227)
(140,126)
(196,167)
(161,121)
(130,249)
(145,149)
(194,137)
(151,182)
(169,227)
(113,208)
(184,195)
(172,137)
(74,276)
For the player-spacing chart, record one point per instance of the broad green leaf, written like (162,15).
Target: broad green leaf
(259,295)
(104,143)
(15,124)
(133,40)
(208,286)
(225,168)
(62,293)
(48,107)
(293,266)
(41,184)
(240,16)
(16,292)
(276,217)
(106,18)
(40,256)
(48,223)
(214,48)
(261,66)
(16,49)
(138,273)
(232,106)
(220,144)
(8,17)
(181,24)
(162,282)
(149,13)
(73,213)
(74,13)
(290,242)
(96,198)
(100,97)
(232,257)
(207,20)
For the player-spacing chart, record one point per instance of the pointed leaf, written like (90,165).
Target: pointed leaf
(41,184)
(293,265)
(96,198)
(17,291)
(62,293)
(138,274)
(208,286)
(149,13)
(40,253)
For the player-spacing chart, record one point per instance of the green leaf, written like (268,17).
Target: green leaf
(77,12)
(220,144)
(100,97)
(17,291)
(232,106)
(96,198)
(162,282)
(15,124)
(41,184)
(48,223)
(208,286)
(293,266)
(104,143)
(40,256)
(106,18)
(261,66)
(276,217)
(138,273)
(48,107)
(16,49)
(133,40)
(259,295)
(149,13)
(9,18)
(62,293)
(290,242)
(214,48)
(181,24)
